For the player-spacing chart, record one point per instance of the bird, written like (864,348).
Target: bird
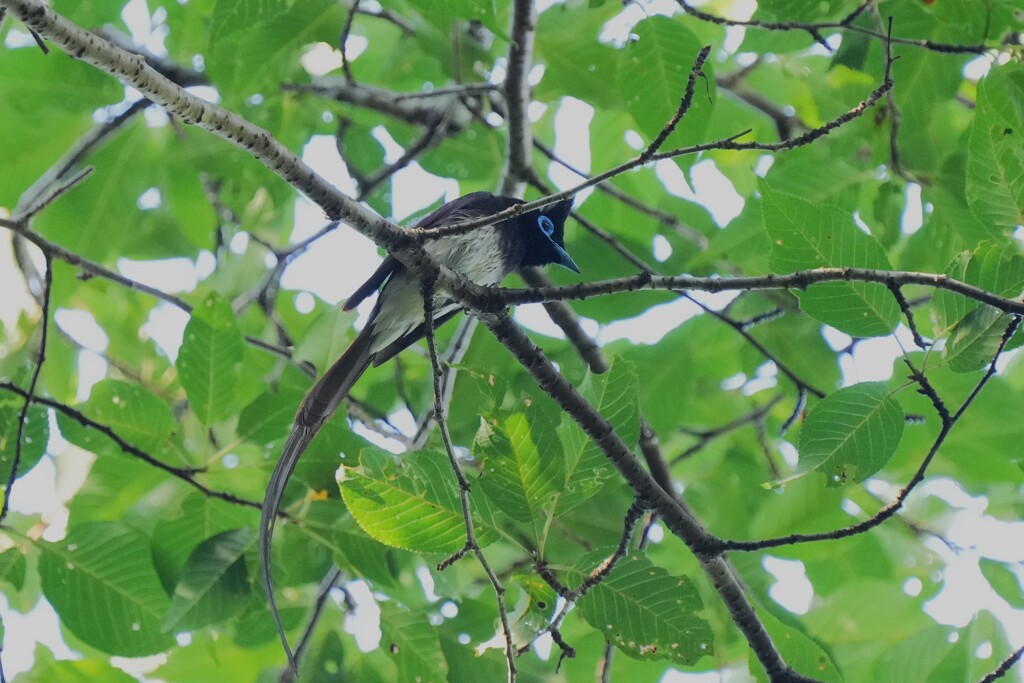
(484,256)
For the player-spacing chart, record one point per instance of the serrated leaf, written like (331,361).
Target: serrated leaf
(269,417)
(523,470)
(852,433)
(210,360)
(658,64)
(255,42)
(200,517)
(412,643)
(213,584)
(101,581)
(644,611)
(412,504)
(975,339)
(615,394)
(995,268)
(134,414)
(805,235)
(995,160)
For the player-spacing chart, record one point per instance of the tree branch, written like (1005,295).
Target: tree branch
(704,546)
(519,147)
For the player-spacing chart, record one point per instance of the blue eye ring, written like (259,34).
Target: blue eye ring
(546,226)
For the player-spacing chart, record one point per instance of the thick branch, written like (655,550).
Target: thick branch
(518,160)
(703,545)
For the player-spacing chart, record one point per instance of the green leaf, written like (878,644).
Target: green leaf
(412,643)
(214,583)
(852,433)
(995,160)
(12,567)
(210,360)
(805,235)
(644,611)
(412,504)
(269,417)
(35,436)
(255,44)
(47,669)
(658,65)
(577,64)
(996,268)
(975,339)
(484,11)
(49,102)
(175,538)
(615,395)
(800,651)
(101,581)
(134,414)
(1002,580)
(522,471)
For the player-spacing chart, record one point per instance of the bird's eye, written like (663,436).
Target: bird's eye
(546,226)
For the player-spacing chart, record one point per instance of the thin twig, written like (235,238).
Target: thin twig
(472,545)
(391,17)
(184,474)
(1004,666)
(346,65)
(27,396)
(456,351)
(815,30)
(322,594)
(897,503)
(516,90)
(684,104)
(705,436)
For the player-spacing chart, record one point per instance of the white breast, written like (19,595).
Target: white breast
(401,300)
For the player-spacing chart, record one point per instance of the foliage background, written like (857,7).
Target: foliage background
(149,548)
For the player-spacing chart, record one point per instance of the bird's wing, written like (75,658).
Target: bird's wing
(387,268)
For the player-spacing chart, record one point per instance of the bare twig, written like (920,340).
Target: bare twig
(322,594)
(472,545)
(346,65)
(684,104)
(391,17)
(681,523)
(27,395)
(705,436)
(815,30)
(184,474)
(948,422)
(457,348)
(1004,666)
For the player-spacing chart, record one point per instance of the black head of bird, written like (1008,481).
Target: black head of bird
(543,233)
(484,256)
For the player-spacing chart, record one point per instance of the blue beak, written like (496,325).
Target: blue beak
(564,259)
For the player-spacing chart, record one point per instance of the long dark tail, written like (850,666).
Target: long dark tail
(319,404)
